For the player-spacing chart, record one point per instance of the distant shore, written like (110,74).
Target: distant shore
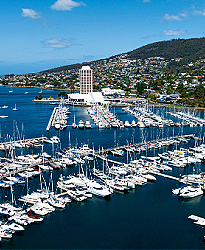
(37,87)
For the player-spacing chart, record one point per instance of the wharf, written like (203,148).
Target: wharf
(50,123)
(33,141)
(124,147)
(47,100)
(165,176)
(112,161)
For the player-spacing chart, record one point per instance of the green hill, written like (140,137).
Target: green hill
(188,49)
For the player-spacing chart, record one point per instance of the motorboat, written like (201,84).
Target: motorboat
(74,125)
(191,192)
(81,124)
(88,125)
(133,124)
(15,109)
(98,189)
(188,191)
(55,139)
(127,124)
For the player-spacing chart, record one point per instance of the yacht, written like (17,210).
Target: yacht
(191,192)
(55,139)
(97,189)
(140,124)
(88,125)
(127,124)
(74,124)
(81,124)
(133,124)
(101,124)
(57,125)
(188,191)
(15,109)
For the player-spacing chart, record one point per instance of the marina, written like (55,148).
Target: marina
(58,181)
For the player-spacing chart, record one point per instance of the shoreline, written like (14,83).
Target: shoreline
(155,105)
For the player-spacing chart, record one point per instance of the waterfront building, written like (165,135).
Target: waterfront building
(108,91)
(86,99)
(86,80)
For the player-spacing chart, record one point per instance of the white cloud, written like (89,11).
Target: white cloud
(30,13)
(56,43)
(199,13)
(174,32)
(179,17)
(66,5)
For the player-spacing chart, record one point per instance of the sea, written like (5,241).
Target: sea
(148,217)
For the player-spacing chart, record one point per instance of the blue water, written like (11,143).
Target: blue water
(147,217)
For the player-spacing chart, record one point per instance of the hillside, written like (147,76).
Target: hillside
(188,49)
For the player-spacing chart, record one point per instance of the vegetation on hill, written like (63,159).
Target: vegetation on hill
(187,49)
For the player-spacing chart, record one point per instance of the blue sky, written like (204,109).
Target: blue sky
(42,34)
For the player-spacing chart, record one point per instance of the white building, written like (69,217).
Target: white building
(86,99)
(86,80)
(108,91)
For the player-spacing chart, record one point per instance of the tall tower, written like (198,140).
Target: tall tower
(86,80)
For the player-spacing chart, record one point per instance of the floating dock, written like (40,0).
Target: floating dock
(55,111)
(124,147)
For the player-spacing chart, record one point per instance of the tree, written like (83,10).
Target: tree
(63,94)
(152,97)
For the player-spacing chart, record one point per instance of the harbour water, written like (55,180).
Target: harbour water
(146,217)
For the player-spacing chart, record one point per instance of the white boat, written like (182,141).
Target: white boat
(74,125)
(15,109)
(55,139)
(114,124)
(140,124)
(30,198)
(5,234)
(81,124)
(97,189)
(101,125)
(116,185)
(20,219)
(57,125)
(55,203)
(12,226)
(188,191)
(191,192)
(133,124)
(127,124)
(75,195)
(88,125)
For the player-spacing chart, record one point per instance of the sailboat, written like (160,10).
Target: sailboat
(74,124)
(15,109)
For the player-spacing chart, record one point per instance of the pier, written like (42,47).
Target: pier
(23,143)
(55,111)
(146,144)
(165,176)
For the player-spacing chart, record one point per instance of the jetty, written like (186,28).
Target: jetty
(55,111)
(165,176)
(144,144)
(23,143)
